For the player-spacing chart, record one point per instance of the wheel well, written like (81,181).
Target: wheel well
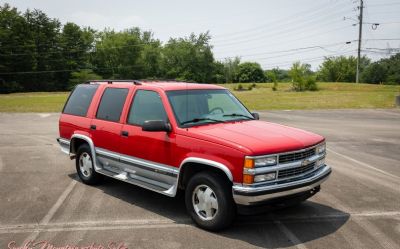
(190,169)
(75,144)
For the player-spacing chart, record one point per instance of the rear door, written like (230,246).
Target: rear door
(106,125)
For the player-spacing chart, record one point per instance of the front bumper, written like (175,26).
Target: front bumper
(248,195)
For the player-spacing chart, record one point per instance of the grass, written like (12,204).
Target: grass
(33,102)
(330,96)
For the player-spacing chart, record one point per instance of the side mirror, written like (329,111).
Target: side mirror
(156,125)
(255,115)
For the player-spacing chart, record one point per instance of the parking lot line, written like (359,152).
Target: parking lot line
(53,210)
(363,164)
(291,236)
(373,231)
(160,223)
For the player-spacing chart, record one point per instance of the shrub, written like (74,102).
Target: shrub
(239,88)
(302,79)
(275,86)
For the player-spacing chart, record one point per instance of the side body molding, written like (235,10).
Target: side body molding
(207,162)
(164,181)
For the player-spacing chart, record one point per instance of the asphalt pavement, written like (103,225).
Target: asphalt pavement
(41,198)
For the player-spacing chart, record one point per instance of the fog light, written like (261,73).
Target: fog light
(265,177)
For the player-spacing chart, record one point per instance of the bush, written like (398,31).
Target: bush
(275,86)
(302,79)
(239,88)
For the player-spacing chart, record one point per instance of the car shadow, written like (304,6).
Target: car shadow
(277,228)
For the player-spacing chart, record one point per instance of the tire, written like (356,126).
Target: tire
(217,211)
(85,167)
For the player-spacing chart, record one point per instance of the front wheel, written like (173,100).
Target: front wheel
(209,201)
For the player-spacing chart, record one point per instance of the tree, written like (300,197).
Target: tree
(231,66)
(250,72)
(384,70)
(341,68)
(302,78)
(189,58)
(82,76)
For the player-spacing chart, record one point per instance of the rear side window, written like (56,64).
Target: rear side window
(111,104)
(79,101)
(147,105)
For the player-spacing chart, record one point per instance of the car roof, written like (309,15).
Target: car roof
(164,85)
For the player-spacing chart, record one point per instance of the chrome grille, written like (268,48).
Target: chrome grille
(296,156)
(286,173)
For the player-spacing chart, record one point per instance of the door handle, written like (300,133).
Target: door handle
(93,127)
(124,133)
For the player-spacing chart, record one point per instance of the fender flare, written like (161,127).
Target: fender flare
(91,145)
(211,163)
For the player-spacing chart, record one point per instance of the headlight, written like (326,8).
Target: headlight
(321,149)
(265,161)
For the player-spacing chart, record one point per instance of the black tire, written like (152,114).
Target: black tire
(222,190)
(91,177)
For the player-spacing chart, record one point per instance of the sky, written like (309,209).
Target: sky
(270,32)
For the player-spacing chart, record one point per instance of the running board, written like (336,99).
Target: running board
(143,182)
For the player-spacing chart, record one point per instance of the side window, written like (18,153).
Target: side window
(147,105)
(79,101)
(111,104)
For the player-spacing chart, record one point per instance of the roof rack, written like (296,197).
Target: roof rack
(136,82)
(139,82)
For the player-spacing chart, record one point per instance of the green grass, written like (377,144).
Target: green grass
(33,102)
(330,96)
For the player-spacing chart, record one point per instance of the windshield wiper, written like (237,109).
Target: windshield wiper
(196,120)
(237,115)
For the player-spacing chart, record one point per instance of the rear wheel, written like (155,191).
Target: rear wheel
(85,166)
(209,201)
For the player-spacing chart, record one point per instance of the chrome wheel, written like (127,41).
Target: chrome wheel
(205,202)
(85,164)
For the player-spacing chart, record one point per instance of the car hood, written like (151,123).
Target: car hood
(256,137)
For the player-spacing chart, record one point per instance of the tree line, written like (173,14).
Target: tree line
(38,53)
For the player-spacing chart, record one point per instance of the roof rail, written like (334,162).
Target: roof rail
(168,80)
(136,82)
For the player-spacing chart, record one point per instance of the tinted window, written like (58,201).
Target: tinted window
(111,104)
(196,107)
(147,105)
(80,99)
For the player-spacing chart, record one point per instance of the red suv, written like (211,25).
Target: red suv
(170,136)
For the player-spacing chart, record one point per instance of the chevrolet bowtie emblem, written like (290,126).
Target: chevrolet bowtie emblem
(305,162)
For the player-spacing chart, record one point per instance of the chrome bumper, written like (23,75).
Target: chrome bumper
(247,195)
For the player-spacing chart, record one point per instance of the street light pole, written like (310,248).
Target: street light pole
(360,18)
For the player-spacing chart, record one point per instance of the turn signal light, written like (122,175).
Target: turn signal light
(249,163)
(248,179)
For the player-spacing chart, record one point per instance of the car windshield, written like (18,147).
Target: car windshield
(197,107)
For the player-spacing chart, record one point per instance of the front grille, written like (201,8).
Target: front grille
(285,173)
(296,156)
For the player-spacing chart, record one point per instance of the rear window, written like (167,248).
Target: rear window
(79,101)
(111,104)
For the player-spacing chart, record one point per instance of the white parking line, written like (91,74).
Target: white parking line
(52,210)
(364,164)
(380,237)
(291,236)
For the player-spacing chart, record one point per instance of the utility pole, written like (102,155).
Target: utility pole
(360,18)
